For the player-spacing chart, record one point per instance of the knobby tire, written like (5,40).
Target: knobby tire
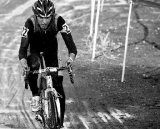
(53,119)
(42,87)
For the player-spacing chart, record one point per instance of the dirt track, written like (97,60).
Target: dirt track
(97,100)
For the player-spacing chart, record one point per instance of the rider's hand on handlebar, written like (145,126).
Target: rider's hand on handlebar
(69,62)
(70,66)
(24,66)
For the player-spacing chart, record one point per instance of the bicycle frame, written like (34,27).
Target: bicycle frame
(49,91)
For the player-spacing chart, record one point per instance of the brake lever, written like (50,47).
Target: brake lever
(26,80)
(27,72)
(70,71)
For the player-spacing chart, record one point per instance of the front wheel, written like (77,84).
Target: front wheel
(53,120)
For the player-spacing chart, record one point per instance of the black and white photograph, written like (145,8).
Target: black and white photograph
(79,64)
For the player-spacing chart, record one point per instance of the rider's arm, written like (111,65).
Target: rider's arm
(27,30)
(66,34)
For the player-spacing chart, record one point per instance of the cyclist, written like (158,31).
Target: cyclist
(39,35)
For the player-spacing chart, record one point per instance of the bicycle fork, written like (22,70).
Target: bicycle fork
(54,93)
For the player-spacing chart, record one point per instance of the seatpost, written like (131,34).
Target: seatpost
(43,61)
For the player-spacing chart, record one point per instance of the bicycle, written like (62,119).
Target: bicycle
(49,114)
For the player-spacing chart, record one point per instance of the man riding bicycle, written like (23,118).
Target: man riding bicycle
(39,35)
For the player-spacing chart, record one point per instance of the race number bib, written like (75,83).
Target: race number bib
(66,29)
(24,32)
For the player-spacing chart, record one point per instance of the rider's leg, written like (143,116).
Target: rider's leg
(34,64)
(59,88)
(32,79)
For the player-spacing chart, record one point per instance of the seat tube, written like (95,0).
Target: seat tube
(44,64)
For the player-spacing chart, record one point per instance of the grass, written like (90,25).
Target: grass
(103,43)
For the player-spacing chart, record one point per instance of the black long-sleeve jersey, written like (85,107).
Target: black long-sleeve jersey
(45,40)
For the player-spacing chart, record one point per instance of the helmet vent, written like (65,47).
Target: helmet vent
(50,8)
(41,1)
(39,9)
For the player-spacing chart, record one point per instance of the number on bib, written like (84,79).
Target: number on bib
(24,32)
(66,29)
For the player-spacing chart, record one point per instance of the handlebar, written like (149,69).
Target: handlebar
(49,69)
(53,70)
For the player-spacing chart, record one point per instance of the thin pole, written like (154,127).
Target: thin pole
(126,42)
(92,16)
(102,3)
(96,30)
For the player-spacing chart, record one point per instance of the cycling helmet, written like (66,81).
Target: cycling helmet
(43,8)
